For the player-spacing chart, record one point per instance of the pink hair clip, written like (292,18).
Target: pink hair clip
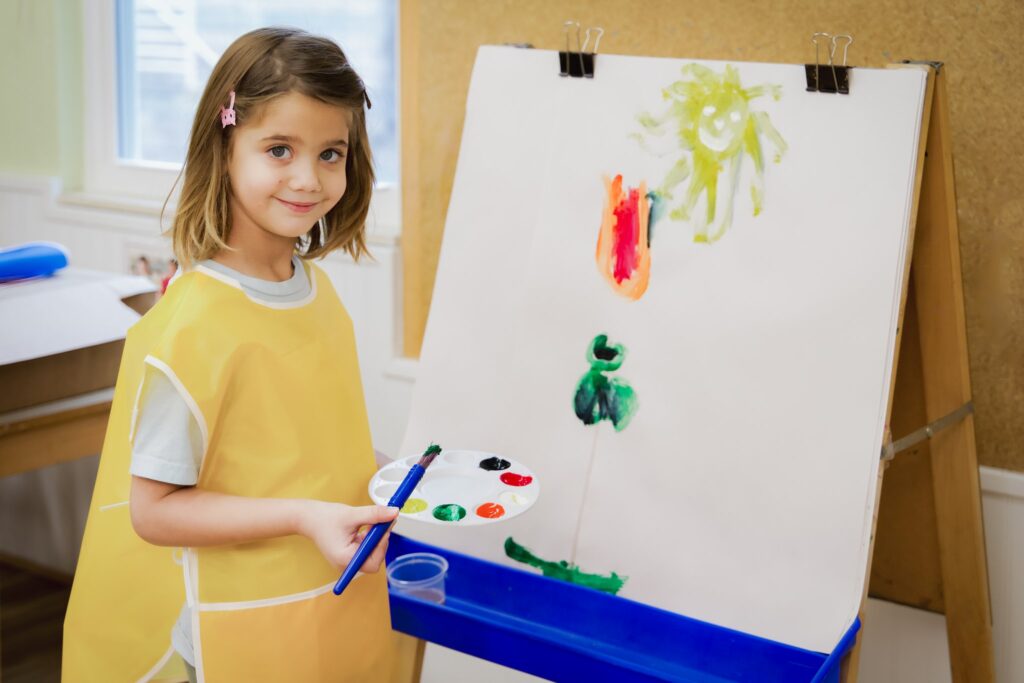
(227,116)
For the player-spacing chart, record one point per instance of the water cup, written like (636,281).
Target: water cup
(419,575)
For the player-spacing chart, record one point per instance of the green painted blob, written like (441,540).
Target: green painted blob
(599,397)
(605,357)
(715,126)
(565,571)
(450,512)
(414,505)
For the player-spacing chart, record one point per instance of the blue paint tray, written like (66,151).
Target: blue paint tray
(565,632)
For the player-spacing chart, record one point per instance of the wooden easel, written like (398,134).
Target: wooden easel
(929,544)
(928,547)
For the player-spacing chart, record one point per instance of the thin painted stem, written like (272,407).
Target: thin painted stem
(583,498)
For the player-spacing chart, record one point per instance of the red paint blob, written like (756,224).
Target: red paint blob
(490,510)
(627,235)
(513,479)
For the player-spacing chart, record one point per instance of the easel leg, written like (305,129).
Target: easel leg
(849,669)
(933,556)
(943,339)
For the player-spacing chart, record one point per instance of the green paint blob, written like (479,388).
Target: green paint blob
(450,512)
(715,127)
(414,505)
(599,397)
(564,571)
(605,357)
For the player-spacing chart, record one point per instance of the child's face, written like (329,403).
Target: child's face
(287,166)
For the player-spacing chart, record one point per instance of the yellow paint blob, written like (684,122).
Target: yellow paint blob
(414,505)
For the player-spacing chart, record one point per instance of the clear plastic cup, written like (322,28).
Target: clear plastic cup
(419,575)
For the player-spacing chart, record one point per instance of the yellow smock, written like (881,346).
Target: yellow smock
(277,394)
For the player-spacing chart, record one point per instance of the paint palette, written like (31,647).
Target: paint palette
(461,487)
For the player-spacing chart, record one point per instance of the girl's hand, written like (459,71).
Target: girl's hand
(338,530)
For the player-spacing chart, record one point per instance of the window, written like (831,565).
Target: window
(147,62)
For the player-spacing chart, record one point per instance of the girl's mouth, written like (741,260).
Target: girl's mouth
(297,207)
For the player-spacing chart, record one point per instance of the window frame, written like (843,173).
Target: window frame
(108,180)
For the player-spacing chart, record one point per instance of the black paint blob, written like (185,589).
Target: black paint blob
(494,464)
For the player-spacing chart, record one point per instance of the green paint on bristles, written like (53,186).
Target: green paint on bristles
(432,449)
(565,571)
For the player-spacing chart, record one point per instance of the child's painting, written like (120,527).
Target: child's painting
(624,242)
(711,125)
(702,399)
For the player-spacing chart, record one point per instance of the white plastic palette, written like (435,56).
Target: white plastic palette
(461,488)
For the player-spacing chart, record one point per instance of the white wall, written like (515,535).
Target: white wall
(901,645)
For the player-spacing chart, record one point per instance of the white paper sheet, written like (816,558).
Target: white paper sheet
(742,491)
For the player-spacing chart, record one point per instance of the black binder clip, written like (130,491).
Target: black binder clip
(831,77)
(578,63)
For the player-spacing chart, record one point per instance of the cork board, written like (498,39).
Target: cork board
(976,42)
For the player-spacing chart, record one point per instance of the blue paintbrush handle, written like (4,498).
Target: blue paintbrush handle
(372,538)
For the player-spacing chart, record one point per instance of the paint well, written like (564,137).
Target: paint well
(494,464)
(414,505)
(564,571)
(490,511)
(513,479)
(514,498)
(449,512)
(395,474)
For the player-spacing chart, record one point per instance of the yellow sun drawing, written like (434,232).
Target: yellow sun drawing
(715,126)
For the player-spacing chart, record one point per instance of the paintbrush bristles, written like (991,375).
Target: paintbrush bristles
(433,450)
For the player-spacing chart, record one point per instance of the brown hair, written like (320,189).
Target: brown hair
(259,66)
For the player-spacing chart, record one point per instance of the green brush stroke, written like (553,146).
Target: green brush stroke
(657,212)
(715,126)
(564,571)
(604,398)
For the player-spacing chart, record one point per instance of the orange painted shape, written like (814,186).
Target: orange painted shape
(623,255)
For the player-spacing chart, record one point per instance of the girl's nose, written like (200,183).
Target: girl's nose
(304,178)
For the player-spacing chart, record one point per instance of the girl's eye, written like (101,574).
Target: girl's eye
(279,152)
(331,155)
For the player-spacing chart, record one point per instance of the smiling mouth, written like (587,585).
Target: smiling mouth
(298,207)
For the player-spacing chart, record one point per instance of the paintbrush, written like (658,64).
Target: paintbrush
(373,537)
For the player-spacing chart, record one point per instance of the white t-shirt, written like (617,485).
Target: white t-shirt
(168,445)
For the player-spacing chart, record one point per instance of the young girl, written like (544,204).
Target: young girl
(232,484)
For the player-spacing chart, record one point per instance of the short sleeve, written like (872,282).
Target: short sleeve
(167,443)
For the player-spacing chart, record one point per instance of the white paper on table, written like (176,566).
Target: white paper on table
(742,493)
(74,309)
